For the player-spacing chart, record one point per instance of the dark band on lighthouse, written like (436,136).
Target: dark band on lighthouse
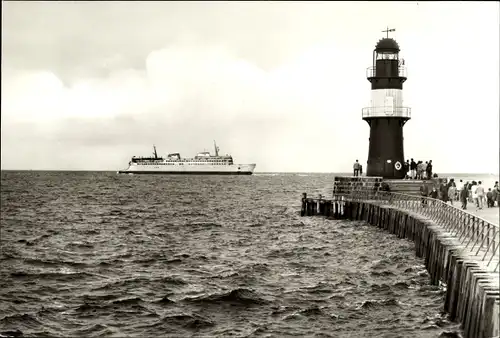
(386,115)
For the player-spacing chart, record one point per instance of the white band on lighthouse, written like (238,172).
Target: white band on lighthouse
(379,97)
(386,102)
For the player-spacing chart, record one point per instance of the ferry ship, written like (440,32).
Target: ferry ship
(202,164)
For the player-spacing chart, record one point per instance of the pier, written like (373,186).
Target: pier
(460,249)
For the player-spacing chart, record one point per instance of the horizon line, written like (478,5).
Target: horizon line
(255,172)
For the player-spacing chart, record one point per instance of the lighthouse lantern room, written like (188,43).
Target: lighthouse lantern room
(386,114)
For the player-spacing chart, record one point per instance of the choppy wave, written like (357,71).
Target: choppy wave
(94,254)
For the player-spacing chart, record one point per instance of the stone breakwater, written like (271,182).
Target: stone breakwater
(472,285)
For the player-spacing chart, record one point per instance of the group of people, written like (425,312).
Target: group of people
(418,170)
(468,192)
(474,192)
(412,170)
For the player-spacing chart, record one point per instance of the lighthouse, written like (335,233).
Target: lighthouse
(386,115)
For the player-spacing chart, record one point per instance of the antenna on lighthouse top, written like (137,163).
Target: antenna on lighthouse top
(389,30)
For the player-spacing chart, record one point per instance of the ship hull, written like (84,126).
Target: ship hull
(186,169)
(137,172)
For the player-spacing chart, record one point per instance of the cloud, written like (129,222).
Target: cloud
(186,97)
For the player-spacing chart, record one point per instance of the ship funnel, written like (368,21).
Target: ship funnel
(216,149)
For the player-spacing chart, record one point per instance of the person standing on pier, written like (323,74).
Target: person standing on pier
(443,192)
(469,187)
(428,169)
(489,198)
(420,170)
(473,188)
(480,195)
(356,168)
(495,196)
(452,192)
(434,195)
(413,169)
(406,167)
(424,191)
(464,195)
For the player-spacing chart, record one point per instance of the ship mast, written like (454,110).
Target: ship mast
(154,153)
(216,149)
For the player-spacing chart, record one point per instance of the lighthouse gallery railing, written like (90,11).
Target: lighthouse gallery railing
(372,72)
(478,235)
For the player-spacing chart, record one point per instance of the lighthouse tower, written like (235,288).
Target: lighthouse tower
(386,115)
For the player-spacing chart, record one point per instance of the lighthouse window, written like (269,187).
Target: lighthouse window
(387,56)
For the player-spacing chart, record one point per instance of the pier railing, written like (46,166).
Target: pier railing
(477,234)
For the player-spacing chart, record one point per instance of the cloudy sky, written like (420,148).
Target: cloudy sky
(86,85)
